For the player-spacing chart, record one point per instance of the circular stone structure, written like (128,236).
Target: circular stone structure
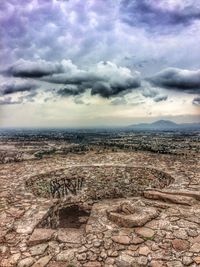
(97,182)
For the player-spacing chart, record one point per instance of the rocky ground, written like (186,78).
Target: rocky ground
(161,227)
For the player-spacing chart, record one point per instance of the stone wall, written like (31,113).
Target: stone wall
(97,182)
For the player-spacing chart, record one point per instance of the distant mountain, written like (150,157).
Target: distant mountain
(164,125)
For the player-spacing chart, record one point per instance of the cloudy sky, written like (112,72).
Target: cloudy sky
(80,63)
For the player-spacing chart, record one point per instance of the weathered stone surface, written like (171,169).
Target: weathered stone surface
(30,219)
(27,262)
(157,264)
(11,261)
(195,248)
(145,232)
(184,200)
(197,260)
(38,249)
(137,240)
(174,264)
(128,214)
(92,264)
(180,245)
(40,235)
(42,262)
(144,251)
(180,234)
(187,260)
(69,235)
(121,239)
(66,255)
(124,260)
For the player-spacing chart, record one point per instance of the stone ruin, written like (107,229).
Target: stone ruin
(129,214)
(97,182)
(74,190)
(95,216)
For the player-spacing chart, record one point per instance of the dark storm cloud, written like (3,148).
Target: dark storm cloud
(31,69)
(11,88)
(105,78)
(77,78)
(158,14)
(106,89)
(70,91)
(196,101)
(178,79)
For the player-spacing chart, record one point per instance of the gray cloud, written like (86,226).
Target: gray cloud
(196,101)
(149,92)
(33,69)
(161,15)
(160,98)
(178,79)
(11,88)
(71,90)
(105,78)
(10,101)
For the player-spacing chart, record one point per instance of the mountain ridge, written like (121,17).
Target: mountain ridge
(164,125)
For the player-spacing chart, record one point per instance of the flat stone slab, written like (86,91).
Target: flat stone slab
(40,235)
(31,218)
(69,235)
(172,198)
(128,214)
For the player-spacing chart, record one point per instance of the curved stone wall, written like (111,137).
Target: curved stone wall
(97,182)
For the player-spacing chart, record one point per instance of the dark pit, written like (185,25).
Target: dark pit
(73,217)
(70,216)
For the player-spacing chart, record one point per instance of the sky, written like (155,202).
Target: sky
(93,63)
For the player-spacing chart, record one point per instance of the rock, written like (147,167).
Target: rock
(187,260)
(103,255)
(38,249)
(30,219)
(124,240)
(81,257)
(3,249)
(27,262)
(195,248)
(69,235)
(131,215)
(174,264)
(92,264)
(97,244)
(180,234)
(137,240)
(145,232)
(157,264)
(110,261)
(11,261)
(82,249)
(197,260)
(144,251)
(192,232)
(172,198)
(124,260)
(40,235)
(42,262)
(142,261)
(180,245)
(53,247)
(66,255)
